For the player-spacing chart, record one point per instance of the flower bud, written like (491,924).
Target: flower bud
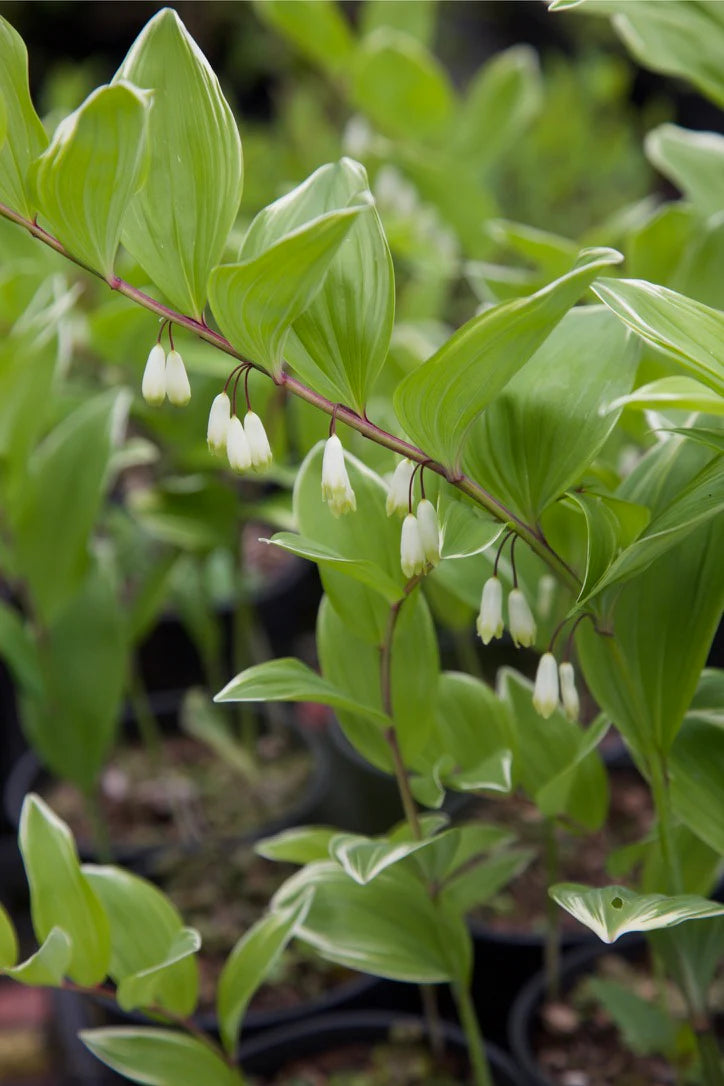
(520,619)
(545,694)
(237,446)
(153,385)
(178,388)
(490,619)
(398,497)
(429,530)
(219,419)
(569,694)
(336,489)
(412,555)
(261,454)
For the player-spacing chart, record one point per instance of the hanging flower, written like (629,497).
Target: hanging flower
(490,620)
(545,694)
(336,488)
(412,554)
(429,529)
(259,447)
(153,385)
(219,419)
(237,446)
(569,694)
(520,619)
(178,388)
(398,496)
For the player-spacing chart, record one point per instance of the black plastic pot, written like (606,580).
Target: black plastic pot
(525,1012)
(271,1051)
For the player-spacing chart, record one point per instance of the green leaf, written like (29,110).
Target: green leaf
(26,136)
(681,393)
(8,940)
(602,537)
(195,175)
(546,426)
(401,86)
(288,679)
(695,769)
(19,651)
(646,1028)
(702,435)
(360,569)
(250,962)
(150,947)
(257,300)
(416,20)
(694,161)
(60,895)
(438,403)
(159,1057)
(67,471)
(362,927)
(93,167)
(316,27)
(479,884)
(364,858)
(48,965)
(689,331)
(616,910)
(299,845)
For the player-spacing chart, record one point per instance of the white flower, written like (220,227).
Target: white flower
(398,498)
(219,419)
(237,446)
(490,619)
(546,594)
(177,382)
(545,694)
(261,454)
(569,694)
(336,489)
(520,619)
(429,531)
(153,386)
(412,554)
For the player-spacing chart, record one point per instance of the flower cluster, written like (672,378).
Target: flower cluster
(420,540)
(165,375)
(246,444)
(554,682)
(490,619)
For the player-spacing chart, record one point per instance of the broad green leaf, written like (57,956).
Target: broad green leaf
(391,927)
(616,910)
(401,86)
(602,537)
(159,1057)
(250,962)
(501,102)
(656,247)
(364,858)
(257,300)
(360,569)
(438,403)
(194,180)
(696,769)
(19,651)
(466,529)
(150,947)
(681,393)
(3,122)
(549,252)
(694,161)
(60,895)
(66,472)
(25,135)
(582,782)
(299,845)
(93,167)
(546,426)
(417,20)
(645,1027)
(316,27)
(291,680)
(479,883)
(698,948)
(49,964)
(702,435)
(83,662)
(708,701)
(689,331)
(8,940)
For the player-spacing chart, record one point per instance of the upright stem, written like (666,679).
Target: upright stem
(710,1056)
(143,714)
(658,771)
(241,652)
(552,948)
(99,826)
(471,1029)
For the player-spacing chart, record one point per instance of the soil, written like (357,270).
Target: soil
(578,1044)
(188,794)
(521,907)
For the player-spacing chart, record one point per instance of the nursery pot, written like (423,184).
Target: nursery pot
(526,1009)
(273,1050)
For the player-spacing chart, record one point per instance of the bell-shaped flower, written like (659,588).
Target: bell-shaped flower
(398,497)
(219,419)
(237,446)
(520,619)
(429,529)
(569,694)
(545,693)
(412,553)
(178,388)
(259,447)
(336,488)
(490,620)
(153,385)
